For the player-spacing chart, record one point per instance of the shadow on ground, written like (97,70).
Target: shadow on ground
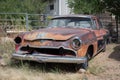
(116,53)
(45,67)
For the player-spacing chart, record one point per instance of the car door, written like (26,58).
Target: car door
(99,31)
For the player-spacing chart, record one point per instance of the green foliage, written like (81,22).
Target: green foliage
(22,6)
(86,6)
(112,6)
(95,6)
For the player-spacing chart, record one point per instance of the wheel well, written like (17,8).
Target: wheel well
(90,50)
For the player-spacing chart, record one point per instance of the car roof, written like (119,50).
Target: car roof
(74,15)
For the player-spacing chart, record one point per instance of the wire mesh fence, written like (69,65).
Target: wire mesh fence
(14,23)
(20,22)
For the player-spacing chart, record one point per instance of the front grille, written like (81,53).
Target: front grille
(50,51)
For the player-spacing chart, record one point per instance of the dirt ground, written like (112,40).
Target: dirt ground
(109,61)
(105,66)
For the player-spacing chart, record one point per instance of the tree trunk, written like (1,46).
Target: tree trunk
(116,18)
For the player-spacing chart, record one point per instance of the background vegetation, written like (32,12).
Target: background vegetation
(22,6)
(95,6)
(14,12)
(86,6)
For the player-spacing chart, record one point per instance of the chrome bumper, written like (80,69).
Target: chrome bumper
(53,59)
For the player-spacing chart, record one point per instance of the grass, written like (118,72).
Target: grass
(25,70)
(96,70)
(6,49)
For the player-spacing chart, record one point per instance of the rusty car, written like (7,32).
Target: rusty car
(73,39)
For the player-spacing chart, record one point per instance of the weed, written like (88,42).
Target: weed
(96,70)
(56,70)
(6,49)
(84,77)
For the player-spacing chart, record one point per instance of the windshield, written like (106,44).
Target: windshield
(74,22)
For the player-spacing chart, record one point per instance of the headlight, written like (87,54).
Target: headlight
(76,43)
(18,40)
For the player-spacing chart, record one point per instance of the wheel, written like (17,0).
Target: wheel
(84,65)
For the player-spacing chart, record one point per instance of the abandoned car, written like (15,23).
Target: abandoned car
(67,39)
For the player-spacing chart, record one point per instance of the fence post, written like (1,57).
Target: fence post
(27,22)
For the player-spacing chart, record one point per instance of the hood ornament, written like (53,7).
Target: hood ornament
(41,35)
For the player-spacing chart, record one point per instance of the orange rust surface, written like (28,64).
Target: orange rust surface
(88,36)
(95,48)
(82,52)
(33,36)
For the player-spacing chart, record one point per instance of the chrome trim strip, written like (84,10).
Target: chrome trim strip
(50,47)
(79,41)
(53,59)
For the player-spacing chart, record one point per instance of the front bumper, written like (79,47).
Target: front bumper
(53,59)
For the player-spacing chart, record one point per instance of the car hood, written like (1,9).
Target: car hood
(55,33)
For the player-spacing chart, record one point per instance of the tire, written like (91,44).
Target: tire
(84,65)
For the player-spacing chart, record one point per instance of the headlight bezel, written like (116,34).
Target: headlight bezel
(76,43)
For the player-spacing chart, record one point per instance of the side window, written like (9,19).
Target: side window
(95,24)
(100,24)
